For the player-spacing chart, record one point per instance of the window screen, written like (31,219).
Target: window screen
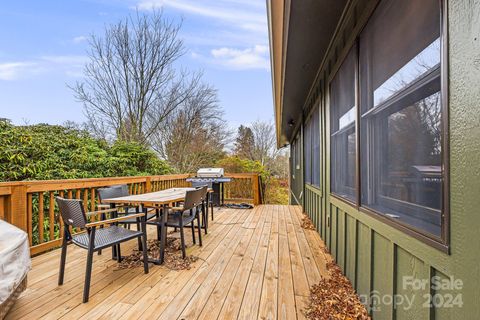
(312,149)
(343,122)
(307,138)
(401,114)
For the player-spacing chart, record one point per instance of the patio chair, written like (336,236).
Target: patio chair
(209,185)
(205,200)
(183,216)
(118,191)
(95,239)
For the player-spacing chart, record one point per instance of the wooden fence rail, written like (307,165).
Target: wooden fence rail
(30,205)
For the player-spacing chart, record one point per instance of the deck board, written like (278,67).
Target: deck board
(254,264)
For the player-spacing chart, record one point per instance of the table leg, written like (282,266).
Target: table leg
(114,248)
(163,228)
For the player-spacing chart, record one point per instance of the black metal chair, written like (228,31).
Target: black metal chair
(209,201)
(95,239)
(183,216)
(205,202)
(118,191)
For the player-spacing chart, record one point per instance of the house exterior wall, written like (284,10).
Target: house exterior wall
(377,257)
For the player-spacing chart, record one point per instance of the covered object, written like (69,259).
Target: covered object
(14,264)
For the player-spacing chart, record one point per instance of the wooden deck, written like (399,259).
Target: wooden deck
(255,263)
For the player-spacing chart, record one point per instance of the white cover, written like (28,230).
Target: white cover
(14,258)
(210,172)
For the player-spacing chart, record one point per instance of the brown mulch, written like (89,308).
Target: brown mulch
(173,256)
(334,298)
(307,223)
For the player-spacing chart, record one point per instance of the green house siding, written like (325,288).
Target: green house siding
(378,257)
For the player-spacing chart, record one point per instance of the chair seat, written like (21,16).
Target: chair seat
(134,220)
(173,221)
(105,237)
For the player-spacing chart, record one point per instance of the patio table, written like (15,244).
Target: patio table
(159,200)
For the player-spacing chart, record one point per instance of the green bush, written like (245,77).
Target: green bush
(42,152)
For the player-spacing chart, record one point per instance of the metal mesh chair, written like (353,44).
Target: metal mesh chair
(204,194)
(118,191)
(94,239)
(183,216)
(208,200)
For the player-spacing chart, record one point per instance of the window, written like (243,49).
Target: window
(401,114)
(312,149)
(295,154)
(343,120)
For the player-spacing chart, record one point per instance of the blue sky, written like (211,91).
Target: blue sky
(44,45)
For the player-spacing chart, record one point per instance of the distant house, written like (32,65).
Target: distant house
(379,102)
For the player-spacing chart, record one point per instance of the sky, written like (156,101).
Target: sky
(44,43)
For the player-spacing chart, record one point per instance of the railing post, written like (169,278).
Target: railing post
(148,184)
(17,206)
(256,190)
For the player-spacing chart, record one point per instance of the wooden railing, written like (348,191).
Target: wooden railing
(30,205)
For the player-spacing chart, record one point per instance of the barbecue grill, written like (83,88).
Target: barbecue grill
(213,178)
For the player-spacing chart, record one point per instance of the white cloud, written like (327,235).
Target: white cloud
(232,33)
(242,14)
(17,70)
(250,58)
(70,65)
(79,39)
(66,59)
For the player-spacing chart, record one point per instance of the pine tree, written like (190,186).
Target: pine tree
(244,145)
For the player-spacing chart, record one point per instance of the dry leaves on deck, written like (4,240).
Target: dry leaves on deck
(173,256)
(307,223)
(334,298)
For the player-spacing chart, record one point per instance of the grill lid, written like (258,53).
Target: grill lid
(210,172)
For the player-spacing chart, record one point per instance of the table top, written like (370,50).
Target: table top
(153,198)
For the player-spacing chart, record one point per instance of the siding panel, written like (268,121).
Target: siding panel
(334,233)
(341,239)
(351,241)
(409,267)
(363,261)
(382,273)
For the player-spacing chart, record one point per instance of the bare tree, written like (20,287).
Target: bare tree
(265,149)
(195,134)
(131,85)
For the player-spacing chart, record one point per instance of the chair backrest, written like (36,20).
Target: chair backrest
(204,192)
(117,191)
(193,199)
(72,212)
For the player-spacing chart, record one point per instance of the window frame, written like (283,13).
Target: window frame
(441,243)
(375,118)
(355,192)
(314,112)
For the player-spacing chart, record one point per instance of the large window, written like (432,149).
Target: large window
(343,114)
(312,149)
(401,114)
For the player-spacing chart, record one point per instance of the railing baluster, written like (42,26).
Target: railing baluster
(51,215)
(92,199)
(29,218)
(85,199)
(41,217)
(2,208)
(60,220)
